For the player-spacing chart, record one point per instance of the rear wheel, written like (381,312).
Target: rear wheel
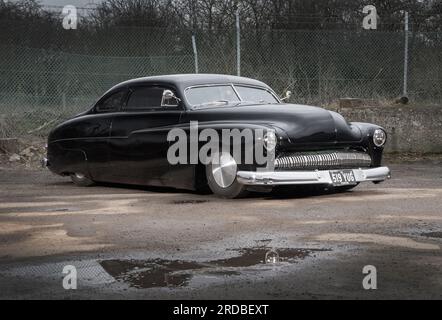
(221,177)
(81,180)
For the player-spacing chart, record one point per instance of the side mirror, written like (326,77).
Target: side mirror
(169,99)
(287,95)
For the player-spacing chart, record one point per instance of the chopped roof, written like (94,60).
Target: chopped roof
(183,81)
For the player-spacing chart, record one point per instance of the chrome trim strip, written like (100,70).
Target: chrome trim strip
(307,177)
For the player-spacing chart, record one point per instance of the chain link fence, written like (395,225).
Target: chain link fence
(48,76)
(321,67)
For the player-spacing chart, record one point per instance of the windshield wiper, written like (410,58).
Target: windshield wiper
(226,102)
(250,102)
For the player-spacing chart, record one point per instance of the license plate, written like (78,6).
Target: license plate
(342,177)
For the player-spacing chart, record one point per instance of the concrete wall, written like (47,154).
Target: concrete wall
(410,128)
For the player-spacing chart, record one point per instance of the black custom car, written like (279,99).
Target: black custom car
(123,138)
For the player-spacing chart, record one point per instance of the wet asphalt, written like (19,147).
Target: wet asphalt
(151,243)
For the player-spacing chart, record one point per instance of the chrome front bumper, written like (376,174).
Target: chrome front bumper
(307,177)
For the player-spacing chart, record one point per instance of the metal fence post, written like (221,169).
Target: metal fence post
(195,53)
(238,45)
(405,89)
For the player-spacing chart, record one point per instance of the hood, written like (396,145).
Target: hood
(301,123)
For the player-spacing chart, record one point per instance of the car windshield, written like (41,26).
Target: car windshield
(255,94)
(219,95)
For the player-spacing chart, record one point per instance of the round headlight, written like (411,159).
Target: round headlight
(379,137)
(270,140)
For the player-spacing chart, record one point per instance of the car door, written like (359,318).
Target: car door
(96,132)
(138,143)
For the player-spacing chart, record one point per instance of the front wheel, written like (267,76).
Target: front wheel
(221,177)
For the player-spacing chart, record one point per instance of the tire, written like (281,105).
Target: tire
(81,180)
(221,178)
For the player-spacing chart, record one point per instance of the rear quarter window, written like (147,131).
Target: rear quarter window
(111,103)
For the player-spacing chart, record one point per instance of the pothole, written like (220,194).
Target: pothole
(264,241)
(437,234)
(189,201)
(177,273)
(57,210)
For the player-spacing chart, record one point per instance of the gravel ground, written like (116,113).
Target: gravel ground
(132,242)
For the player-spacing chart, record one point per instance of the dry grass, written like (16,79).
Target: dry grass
(6,130)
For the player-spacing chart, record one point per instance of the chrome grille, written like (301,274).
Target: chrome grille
(323,160)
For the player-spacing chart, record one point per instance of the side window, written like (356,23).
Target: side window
(111,103)
(145,98)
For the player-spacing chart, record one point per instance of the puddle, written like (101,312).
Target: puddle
(254,256)
(151,273)
(432,234)
(177,273)
(223,273)
(189,201)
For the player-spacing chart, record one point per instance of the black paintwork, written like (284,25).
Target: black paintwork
(130,147)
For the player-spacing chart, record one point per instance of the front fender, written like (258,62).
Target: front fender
(375,152)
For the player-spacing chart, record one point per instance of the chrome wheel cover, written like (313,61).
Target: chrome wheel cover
(224,170)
